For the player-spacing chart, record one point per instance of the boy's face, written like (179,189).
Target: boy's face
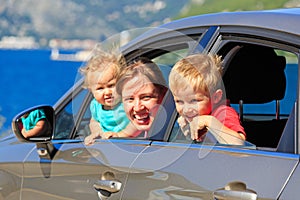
(190,104)
(102,85)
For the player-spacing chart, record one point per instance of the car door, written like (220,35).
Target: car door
(175,169)
(64,168)
(186,171)
(76,171)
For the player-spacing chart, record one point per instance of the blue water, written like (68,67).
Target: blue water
(29,78)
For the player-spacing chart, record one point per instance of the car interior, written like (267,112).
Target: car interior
(255,75)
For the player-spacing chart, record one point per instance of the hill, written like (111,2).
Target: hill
(77,19)
(197,7)
(43,20)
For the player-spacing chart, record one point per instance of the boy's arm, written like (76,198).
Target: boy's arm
(222,133)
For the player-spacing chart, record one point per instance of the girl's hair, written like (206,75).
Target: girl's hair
(200,71)
(141,66)
(101,60)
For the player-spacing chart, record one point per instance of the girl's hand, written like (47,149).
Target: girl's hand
(107,135)
(89,140)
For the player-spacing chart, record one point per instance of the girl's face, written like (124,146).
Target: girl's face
(102,85)
(141,101)
(190,104)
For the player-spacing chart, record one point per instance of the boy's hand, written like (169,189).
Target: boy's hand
(198,127)
(184,125)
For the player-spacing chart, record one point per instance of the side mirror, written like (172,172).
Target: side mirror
(34,124)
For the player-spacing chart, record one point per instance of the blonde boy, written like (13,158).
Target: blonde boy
(196,84)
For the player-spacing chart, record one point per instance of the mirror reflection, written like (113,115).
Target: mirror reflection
(35,123)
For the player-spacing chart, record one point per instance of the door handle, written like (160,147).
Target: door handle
(235,191)
(111,186)
(234,195)
(106,187)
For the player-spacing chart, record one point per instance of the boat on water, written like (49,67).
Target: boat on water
(82,55)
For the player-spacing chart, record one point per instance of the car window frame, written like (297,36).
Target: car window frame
(68,98)
(263,37)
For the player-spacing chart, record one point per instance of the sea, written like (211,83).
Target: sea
(30,78)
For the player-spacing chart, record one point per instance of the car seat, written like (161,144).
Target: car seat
(255,75)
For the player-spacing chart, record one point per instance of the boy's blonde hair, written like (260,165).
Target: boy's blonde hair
(200,71)
(101,60)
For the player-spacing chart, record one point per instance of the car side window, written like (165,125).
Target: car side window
(262,90)
(65,119)
(83,128)
(261,85)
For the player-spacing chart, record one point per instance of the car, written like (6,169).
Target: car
(260,52)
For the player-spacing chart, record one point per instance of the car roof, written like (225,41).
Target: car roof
(286,20)
(281,20)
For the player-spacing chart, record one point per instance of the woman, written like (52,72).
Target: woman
(142,88)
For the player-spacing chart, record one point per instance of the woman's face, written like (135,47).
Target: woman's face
(141,101)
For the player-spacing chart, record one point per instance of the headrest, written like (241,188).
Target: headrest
(255,75)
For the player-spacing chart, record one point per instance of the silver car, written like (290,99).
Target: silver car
(260,50)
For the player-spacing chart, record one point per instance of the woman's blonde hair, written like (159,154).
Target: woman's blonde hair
(101,60)
(202,72)
(142,66)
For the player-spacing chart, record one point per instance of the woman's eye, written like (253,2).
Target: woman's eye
(128,99)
